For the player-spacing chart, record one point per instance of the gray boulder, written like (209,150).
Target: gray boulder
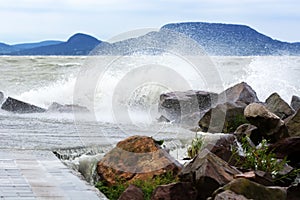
(68,108)
(295,103)
(269,125)
(278,106)
(16,106)
(174,105)
(242,93)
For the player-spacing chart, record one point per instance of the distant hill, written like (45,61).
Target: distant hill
(231,39)
(215,38)
(19,47)
(78,44)
(4,48)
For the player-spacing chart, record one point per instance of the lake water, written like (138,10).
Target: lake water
(121,96)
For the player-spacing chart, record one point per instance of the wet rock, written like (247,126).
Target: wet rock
(136,158)
(295,103)
(68,108)
(293,124)
(252,190)
(207,172)
(220,144)
(229,195)
(239,93)
(269,125)
(132,193)
(248,130)
(1,97)
(16,106)
(293,192)
(175,191)
(288,147)
(163,119)
(223,118)
(174,105)
(278,106)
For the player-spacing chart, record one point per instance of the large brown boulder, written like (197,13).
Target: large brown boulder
(223,118)
(136,158)
(295,103)
(239,93)
(132,193)
(175,191)
(293,124)
(207,172)
(252,190)
(278,106)
(270,125)
(288,147)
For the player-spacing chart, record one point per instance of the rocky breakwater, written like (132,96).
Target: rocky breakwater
(264,164)
(212,112)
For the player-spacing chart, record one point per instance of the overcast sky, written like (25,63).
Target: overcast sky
(36,20)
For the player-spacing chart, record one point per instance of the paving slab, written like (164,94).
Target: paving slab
(39,174)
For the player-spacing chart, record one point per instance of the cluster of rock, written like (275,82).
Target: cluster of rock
(212,174)
(16,106)
(205,176)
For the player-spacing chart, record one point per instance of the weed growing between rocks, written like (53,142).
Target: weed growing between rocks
(259,158)
(195,147)
(147,186)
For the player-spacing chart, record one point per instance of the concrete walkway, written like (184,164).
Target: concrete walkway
(34,174)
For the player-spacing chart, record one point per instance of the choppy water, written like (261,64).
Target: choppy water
(43,80)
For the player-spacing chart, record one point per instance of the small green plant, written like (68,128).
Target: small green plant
(259,158)
(147,186)
(195,147)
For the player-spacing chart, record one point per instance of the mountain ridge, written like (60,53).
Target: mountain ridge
(215,38)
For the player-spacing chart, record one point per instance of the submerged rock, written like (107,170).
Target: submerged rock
(252,190)
(278,106)
(207,172)
(68,108)
(132,193)
(136,158)
(295,103)
(16,106)
(175,191)
(269,125)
